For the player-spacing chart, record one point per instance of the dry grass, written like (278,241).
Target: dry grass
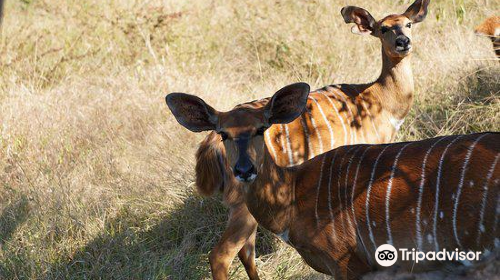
(97,177)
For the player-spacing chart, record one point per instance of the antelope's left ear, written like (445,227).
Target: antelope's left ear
(287,104)
(192,112)
(417,11)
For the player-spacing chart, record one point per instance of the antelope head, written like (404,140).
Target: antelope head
(394,31)
(242,128)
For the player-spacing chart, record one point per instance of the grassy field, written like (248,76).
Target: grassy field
(96,177)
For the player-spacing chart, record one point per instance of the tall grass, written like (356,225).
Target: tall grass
(97,177)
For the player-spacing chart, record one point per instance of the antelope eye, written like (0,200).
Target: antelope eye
(261,130)
(408,25)
(223,135)
(384,29)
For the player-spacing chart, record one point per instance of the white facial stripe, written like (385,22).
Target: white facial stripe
(338,115)
(460,185)
(317,132)
(318,188)
(388,194)
(367,206)
(327,122)
(371,119)
(346,182)
(438,182)
(332,164)
(352,196)
(420,195)
(480,227)
(308,141)
(289,146)
(270,145)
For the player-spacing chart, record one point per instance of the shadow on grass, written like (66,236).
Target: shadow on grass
(174,246)
(11,217)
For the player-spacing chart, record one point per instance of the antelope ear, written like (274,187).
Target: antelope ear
(287,103)
(364,21)
(417,11)
(192,112)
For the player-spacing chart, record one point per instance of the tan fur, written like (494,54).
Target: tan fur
(209,168)
(365,112)
(491,28)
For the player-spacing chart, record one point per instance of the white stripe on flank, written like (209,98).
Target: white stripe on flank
(420,195)
(371,119)
(460,185)
(282,136)
(317,132)
(388,194)
(352,197)
(338,115)
(438,182)
(339,189)
(363,136)
(289,146)
(367,206)
(346,181)
(318,188)
(327,122)
(351,115)
(271,146)
(306,133)
(330,193)
(480,228)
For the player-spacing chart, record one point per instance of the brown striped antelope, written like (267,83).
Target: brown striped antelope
(335,115)
(338,207)
(491,28)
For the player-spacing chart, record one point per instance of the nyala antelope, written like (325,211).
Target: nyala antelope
(338,207)
(491,28)
(335,115)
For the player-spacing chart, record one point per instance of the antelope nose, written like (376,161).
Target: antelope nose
(402,43)
(244,171)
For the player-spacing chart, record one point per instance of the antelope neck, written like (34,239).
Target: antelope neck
(270,197)
(395,85)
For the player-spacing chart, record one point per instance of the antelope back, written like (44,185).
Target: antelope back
(428,195)
(331,119)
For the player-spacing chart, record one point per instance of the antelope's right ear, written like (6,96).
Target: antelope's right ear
(192,112)
(417,11)
(364,21)
(287,104)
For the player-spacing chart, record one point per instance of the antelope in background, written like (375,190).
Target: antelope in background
(336,208)
(491,28)
(335,115)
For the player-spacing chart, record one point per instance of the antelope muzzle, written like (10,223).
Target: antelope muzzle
(244,170)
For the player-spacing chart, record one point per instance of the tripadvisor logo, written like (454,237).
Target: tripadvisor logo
(387,255)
